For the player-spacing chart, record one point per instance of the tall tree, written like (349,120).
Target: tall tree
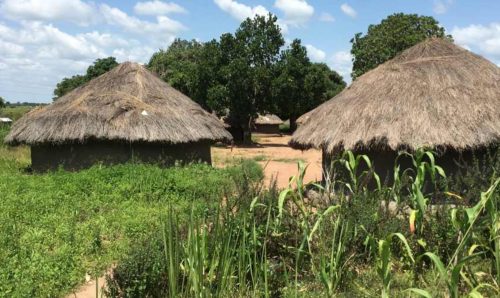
(393,35)
(321,84)
(253,50)
(292,99)
(2,103)
(99,67)
(177,65)
(68,84)
(299,85)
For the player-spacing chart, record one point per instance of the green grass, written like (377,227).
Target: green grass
(15,112)
(269,243)
(57,227)
(197,231)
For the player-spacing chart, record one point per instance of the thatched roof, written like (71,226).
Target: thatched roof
(302,119)
(128,103)
(434,94)
(268,119)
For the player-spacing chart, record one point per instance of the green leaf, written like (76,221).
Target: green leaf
(281,200)
(419,292)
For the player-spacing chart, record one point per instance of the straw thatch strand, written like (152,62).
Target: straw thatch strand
(128,103)
(434,94)
(303,119)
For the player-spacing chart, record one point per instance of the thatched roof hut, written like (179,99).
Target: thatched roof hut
(268,123)
(434,94)
(127,107)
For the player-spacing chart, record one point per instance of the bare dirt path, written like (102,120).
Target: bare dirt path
(273,153)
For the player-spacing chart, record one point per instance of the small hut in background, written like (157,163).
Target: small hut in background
(4,121)
(434,95)
(268,123)
(125,114)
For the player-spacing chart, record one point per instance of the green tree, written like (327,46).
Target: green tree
(2,103)
(292,99)
(299,85)
(68,84)
(321,84)
(248,72)
(232,76)
(99,67)
(177,65)
(393,35)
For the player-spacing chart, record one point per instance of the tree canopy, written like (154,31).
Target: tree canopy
(230,76)
(393,35)
(299,85)
(2,103)
(99,67)
(246,73)
(177,65)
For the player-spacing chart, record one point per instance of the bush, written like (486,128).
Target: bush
(141,273)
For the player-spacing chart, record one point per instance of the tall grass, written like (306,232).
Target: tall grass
(310,240)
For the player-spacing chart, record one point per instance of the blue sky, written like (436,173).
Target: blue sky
(42,41)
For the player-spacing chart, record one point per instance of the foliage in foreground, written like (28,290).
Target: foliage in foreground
(55,228)
(344,240)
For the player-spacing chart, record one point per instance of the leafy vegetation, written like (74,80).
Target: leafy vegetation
(337,240)
(56,228)
(393,35)
(15,112)
(299,85)
(99,67)
(243,74)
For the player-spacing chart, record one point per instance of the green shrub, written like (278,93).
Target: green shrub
(142,273)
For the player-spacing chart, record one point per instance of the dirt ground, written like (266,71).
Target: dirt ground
(274,154)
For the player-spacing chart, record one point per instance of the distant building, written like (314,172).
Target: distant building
(434,95)
(4,121)
(125,114)
(268,123)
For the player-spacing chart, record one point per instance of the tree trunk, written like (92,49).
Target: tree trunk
(241,134)
(293,123)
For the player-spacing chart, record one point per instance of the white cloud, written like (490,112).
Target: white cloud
(9,49)
(441,6)
(326,17)
(157,8)
(315,54)
(240,11)
(483,39)
(348,10)
(34,56)
(164,25)
(75,11)
(341,62)
(283,25)
(297,12)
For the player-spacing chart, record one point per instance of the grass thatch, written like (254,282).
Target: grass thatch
(302,119)
(268,119)
(434,94)
(128,103)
